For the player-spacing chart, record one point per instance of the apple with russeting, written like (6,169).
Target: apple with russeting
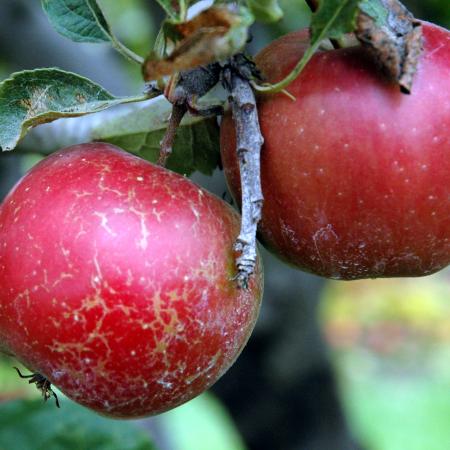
(117,281)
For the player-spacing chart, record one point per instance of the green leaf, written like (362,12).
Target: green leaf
(79,20)
(333,19)
(266,11)
(83,21)
(174,10)
(196,144)
(33,97)
(167,33)
(35,425)
(375,9)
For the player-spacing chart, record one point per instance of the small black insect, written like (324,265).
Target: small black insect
(42,384)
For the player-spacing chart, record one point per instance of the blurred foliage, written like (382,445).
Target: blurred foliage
(437,11)
(392,414)
(11,386)
(201,424)
(386,316)
(34,425)
(27,423)
(296,15)
(132,22)
(4,70)
(390,341)
(134,25)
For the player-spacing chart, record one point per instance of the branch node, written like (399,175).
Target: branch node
(183,91)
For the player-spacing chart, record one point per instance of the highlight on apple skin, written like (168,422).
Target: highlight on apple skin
(116,281)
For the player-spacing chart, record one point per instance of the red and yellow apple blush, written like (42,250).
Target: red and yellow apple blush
(116,281)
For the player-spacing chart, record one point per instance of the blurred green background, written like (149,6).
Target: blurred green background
(390,343)
(387,342)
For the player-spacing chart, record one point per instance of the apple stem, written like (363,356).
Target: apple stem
(249,141)
(314,6)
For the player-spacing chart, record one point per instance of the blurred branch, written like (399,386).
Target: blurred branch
(52,136)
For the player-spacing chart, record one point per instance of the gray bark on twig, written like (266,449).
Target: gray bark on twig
(249,141)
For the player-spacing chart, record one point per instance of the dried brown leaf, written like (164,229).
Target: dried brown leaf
(396,43)
(204,40)
(215,17)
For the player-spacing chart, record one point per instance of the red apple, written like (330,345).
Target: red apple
(355,174)
(116,281)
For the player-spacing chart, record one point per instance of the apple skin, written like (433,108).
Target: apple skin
(116,281)
(355,174)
